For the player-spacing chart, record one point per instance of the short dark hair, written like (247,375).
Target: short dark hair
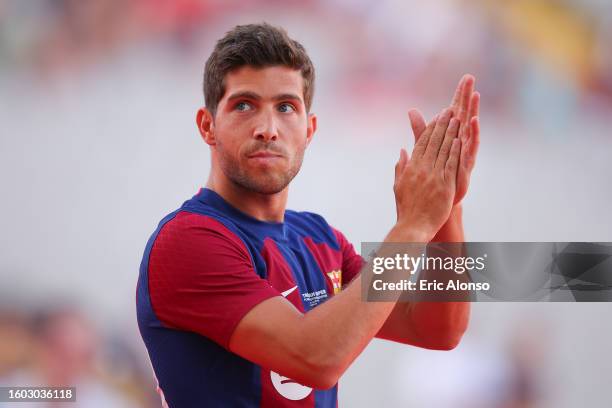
(259,46)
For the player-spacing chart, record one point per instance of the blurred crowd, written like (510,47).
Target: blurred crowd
(60,347)
(536,60)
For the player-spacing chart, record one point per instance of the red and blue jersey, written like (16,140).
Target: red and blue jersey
(206,266)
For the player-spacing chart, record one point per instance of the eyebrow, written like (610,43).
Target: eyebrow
(257,97)
(287,96)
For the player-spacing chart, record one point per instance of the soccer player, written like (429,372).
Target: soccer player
(244,303)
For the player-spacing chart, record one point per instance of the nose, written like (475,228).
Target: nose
(266,129)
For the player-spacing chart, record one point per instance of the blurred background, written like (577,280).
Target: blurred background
(98,142)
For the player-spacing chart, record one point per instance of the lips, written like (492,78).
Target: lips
(263,155)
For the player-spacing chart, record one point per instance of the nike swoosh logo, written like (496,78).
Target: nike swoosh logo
(288,291)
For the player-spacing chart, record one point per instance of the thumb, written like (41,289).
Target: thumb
(417,122)
(401,163)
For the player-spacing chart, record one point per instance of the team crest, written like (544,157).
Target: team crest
(336,280)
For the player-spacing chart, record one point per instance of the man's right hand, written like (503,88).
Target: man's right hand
(425,183)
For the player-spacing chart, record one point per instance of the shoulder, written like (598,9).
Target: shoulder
(312,225)
(184,220)
(187,230)
(305,217)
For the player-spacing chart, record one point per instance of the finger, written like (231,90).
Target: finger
(475,130)
(473,112)
(404,157)
(469,148)
(417,122)
(421,145)
(475,105)
(451,134)
(401,163)
(437,136)
(466,96)
(474,141)
(450,170)
(457,96)
(398,167)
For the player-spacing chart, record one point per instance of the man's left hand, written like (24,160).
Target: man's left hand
(465,106)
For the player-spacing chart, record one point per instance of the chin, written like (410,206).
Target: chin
(265,184)
(271,187)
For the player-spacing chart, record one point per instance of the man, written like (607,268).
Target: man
(244,303)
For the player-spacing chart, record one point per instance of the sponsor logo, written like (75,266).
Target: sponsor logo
(288,388)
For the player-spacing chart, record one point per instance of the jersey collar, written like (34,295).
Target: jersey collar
(272,229)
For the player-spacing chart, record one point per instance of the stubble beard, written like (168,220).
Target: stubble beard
(266,182)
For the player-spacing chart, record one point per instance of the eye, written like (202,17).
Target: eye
(243,106)
(286,108)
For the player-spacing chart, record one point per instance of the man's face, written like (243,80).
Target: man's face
(261,128)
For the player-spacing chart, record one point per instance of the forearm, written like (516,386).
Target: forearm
(441,324)
(452,230)
(348,322)
(433,325)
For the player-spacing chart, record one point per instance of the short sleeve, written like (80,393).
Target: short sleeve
(352,262)
(201,277)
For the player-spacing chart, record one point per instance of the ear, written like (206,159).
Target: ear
(311,127)
(206,126)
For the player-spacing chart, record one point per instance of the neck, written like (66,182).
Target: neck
(264,207)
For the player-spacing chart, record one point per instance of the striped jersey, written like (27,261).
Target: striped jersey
(208,264)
